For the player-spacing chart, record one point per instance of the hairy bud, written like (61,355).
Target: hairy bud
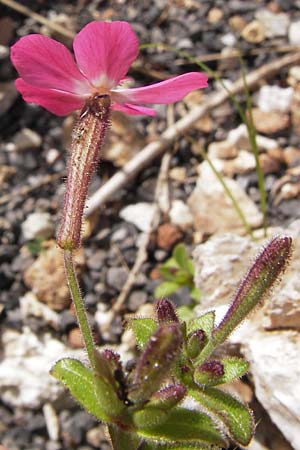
(165,311)
(208,371)
(196,341)
(155,362)
(267,268)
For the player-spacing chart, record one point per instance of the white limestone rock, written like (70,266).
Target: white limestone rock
(38,225)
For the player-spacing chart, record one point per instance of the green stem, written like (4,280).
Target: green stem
(79,306)
(229,194)
(252,138)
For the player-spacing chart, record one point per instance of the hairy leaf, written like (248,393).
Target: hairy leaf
(186,426)
(96,396)
(166,288)
(235,416)
(143,329)
(205,322)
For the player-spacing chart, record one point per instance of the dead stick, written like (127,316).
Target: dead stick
(154,149)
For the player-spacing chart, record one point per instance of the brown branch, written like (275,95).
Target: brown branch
(154,149)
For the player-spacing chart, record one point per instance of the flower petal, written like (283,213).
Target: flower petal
(46,63)
(133,110)
(57,102)
(168,91)
(104,51)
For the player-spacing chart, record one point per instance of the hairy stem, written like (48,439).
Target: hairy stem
(79,306)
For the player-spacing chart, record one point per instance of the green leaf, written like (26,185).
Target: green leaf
(166,288)
(183,446)
(35,246)
(190,267)
(182,277)
(181,256)
(235,416)
(205,322)
(171,263)
(195,294)
(185,313)
(143,329)
(186,426)
(96,396)
(233,368)
(178,446)
(149,417)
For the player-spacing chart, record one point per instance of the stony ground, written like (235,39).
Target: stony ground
(37,320)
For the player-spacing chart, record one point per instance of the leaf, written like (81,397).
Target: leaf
(205,322)
(83,386)
(166,288)
(182,277)
(178,446)
(185,426)
(195,294)
(143,329)
(235,416)
(193,446)
(233,368)
(181,256)
(185,313)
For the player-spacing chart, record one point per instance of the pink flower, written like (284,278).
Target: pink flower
(104,51)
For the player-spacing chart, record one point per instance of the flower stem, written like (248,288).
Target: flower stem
(79,306)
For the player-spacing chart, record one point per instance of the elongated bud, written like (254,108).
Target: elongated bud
(165,311)
(108,367)
(87,140)
(155,362)
(168,396)
(268,266)
(209,371)
(196,341)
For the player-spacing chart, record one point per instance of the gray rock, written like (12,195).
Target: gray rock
(294,33)
(212,209)
(24,371)
(140,214)
(27,139)
(275,98)
(275,25)
(220,264)
(116,277)
(273,355)
(136,299)
(274,362)
(38,225)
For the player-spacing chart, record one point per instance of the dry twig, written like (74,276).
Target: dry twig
(154,149)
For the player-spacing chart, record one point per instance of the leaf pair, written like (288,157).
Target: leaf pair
(177,271)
